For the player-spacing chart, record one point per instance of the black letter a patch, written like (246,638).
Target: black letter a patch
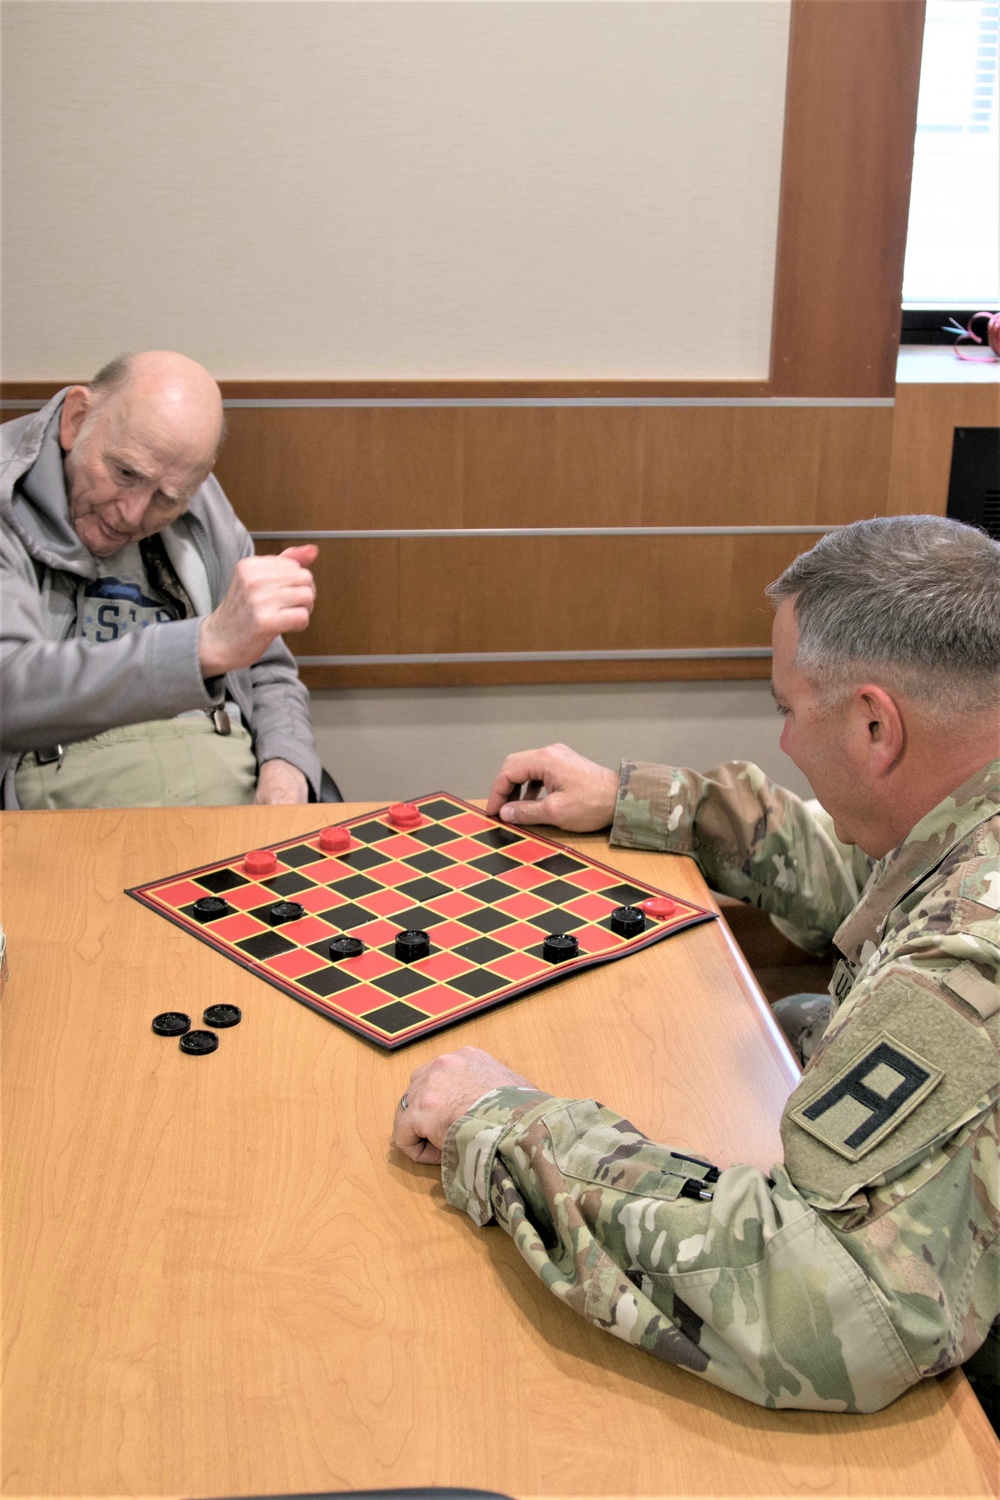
(868,1098)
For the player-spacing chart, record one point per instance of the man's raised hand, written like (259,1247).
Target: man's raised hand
(268,596)
(580,795)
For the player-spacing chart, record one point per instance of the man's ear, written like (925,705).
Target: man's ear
(881,725)
(77,403)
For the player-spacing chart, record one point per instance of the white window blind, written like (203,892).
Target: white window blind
(953,244)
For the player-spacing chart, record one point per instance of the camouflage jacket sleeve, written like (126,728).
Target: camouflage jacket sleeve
(752,840)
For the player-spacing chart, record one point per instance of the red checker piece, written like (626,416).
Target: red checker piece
(181,894)
(306,930)
(518,966)
(335,839)
(455,904)
(405,815)
(442,966)
(524,905)
(260,862)
(384,903)
(659,907)
(294,964)
(234,928)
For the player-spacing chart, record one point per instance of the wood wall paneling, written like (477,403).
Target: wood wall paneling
(922,435)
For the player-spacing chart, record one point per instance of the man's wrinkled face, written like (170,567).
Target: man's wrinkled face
(124,479)
(814,733)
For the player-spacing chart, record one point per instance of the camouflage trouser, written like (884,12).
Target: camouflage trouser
(803,1019)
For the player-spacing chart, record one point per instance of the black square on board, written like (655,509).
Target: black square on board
(221,880)
(328,981)
(429,861)
(416,919)
(363,859)
(370,833)
(625,895)
(266,945)
(557,921)
(489,891)
(298,855)
(498,838)
(289,885)
(559,864)
(403,982)
(434,834)
(483,950)
(394,1017)
(558,890)
(345,917)
(422,889)
(441,809)
(494,864)
(479,983)
(487,920)
(354,886)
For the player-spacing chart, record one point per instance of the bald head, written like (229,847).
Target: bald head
(138,442)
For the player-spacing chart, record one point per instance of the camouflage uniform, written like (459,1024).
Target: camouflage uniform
(870,1258)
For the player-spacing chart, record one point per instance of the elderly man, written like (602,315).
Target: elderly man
(869,1258)
(141,645)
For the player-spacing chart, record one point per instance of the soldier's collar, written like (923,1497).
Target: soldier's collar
(927,844)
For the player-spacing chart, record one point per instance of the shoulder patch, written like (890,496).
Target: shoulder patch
(868,1097)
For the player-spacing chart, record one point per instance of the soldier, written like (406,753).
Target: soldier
(869,1258)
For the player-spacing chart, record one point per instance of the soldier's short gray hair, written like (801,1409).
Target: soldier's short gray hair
(913,600)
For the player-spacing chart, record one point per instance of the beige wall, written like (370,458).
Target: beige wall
(366,190)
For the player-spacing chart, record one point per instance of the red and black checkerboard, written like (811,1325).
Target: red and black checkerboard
(488,896)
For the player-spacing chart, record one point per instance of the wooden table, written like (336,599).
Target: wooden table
(220,1279)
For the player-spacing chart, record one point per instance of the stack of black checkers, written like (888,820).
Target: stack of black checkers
(176,1023)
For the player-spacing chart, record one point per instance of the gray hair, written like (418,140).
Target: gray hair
(113,376)
(913,601)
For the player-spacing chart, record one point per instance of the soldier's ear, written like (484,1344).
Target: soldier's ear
(77,404)
(884,732)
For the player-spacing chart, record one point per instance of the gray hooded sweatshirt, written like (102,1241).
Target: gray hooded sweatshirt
(56,687)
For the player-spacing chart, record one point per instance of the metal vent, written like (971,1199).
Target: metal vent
(974,487)
(991,514)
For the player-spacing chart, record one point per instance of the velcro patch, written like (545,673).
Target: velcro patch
(868,1097)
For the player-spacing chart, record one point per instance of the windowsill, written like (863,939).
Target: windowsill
(935,364)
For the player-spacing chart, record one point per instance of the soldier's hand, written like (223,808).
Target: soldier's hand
(579,794)
(440,1092)
(267,597)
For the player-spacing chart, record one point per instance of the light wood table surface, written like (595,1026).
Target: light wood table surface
(219,1279)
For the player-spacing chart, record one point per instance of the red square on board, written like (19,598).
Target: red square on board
(294,964)
(596,880)
(597,939)
(181,894)
(319,899)
(470,822)
(306,930)
(325,870)
(401,846)
(386,902)
(519,936)
(368,965)
(442,1001)
(465,849)
(441,966)
(519,966)
(594,908)
(248,896)
(525,877)
(458,877)
(377,933)
(451,934)
(524,905)
(455,904)
(393,874)
(530,851)
(236,927)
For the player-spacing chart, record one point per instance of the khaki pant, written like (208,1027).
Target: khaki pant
(165,763)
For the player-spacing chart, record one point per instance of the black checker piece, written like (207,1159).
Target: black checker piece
(557,921)
(477,984)
(625,895)
(498,838)
(559,864)
(441,809)
(270,914)
(265,945)
(428,862)
(403,982)
(423,889)
(370,833)
(221,880)
(487,920)
(417,919)
(557,890)
(395,1017)
(490,891)
(289,885)
(433,835)
(298,855)
(363,859)
(328,981)
(354,886)
(211,915)
(343,918)
(495,864)
(482,951)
